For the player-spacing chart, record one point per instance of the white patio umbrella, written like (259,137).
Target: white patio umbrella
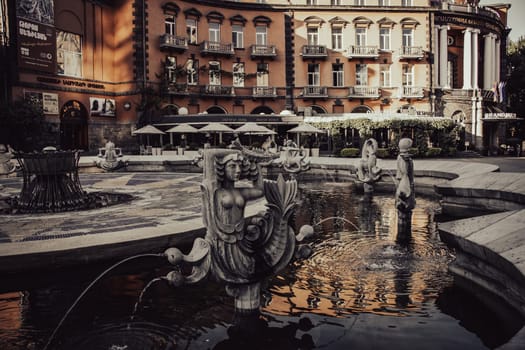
(149,130)
(254,129)
(305,129)
(251,128)
(216,128)
(181,129)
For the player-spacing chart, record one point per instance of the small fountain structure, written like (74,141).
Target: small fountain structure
(405,192)
(51,184)
(110,157)
(367,171)
(241,252)
(50,181)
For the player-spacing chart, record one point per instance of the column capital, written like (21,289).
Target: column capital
(467,30)
(443,26)
(475,30)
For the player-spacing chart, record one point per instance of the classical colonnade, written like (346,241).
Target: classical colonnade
(471,53)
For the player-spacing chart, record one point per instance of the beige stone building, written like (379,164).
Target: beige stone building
(115,65)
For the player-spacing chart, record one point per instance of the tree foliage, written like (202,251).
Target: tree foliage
(21,125)
(516,81)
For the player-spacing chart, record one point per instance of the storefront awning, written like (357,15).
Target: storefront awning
(196,119)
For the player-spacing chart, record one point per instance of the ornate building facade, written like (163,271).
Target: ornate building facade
(100,68)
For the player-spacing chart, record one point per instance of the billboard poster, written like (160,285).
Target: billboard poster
(40,11)
(37,46)
(102,107)
(34,97)
(50,103)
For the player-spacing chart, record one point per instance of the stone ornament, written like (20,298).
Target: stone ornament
(110,157)
(367,170)
(405,194)
(239,251)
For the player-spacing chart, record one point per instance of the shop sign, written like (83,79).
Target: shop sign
(37,46)
(48,102)
(499,115)
(466,21)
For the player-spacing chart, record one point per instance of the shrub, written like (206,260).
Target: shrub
(433,152)
(452,151)
(349,152)
(414,151)
(383,153)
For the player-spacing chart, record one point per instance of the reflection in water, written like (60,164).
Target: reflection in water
(358,290)
(362,271)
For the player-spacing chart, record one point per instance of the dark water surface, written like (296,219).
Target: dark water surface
(359,290)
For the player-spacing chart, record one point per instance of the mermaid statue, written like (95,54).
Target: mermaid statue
(238,250)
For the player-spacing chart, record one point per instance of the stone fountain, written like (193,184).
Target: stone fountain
(237,250)
(367,171)
(110,157)
(405,193)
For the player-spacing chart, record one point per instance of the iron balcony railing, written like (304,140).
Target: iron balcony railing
(412,92)
(173,42)
(176,88)
(264,92)
(360,91)
(215,47)
(263,51)
(315,91)
(412,52)
(314,51)
(218,90)
(363,51)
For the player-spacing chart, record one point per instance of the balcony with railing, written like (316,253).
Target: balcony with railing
(217,48)
(264,92)
(175,88)
(412,92)
(218,90)
(314,51)
(359,91)
(363,52)
(315,92)
(263,51)
(411,52)
(170,41)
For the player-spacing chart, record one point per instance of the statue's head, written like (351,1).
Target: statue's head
(404,145)
(234,166)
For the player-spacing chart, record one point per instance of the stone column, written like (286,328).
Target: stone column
(467,59)
(487,62)
(443,57)
(497,52)
(436,56)
(475,54)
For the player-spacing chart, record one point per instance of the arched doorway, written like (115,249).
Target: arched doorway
(74,126)
(362,109)
(216,110)
(317,110)
(262,110)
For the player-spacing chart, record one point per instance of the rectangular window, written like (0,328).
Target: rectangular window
(384,38)
(384,75)
(169,25)
(359,2)
(337,38)
(262,74)
(214,32)
(238,74)
(313,35)
(384,3)
(261,35)
(191,30)
(337,74)
(69,54)
(192,72)
(311,2)
(237,36)
(171,69)
(360,36)
(336,2)
(214,74)
(408,75)
(406,2)
(314,77)
(408,37)
(361,74)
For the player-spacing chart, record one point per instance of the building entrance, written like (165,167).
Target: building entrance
(74,126)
